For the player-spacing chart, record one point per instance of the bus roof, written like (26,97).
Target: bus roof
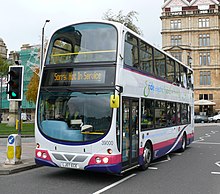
(123,27)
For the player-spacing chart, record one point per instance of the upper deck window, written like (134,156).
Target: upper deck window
(131,51)
(86,42)
(160,63)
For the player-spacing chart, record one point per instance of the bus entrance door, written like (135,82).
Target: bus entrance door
(130,132)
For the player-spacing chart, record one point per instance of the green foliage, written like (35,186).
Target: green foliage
(31,94)
(127,20)
(3,66)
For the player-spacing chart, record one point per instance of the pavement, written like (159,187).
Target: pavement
(27,157)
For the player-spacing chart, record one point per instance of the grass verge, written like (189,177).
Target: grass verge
(27,129)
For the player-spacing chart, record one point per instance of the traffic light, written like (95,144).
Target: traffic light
(15,83)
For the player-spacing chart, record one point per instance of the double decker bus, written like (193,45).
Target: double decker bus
(109,101)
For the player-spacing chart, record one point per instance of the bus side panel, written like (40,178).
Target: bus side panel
(167,145)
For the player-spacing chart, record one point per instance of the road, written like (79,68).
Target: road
(196,171)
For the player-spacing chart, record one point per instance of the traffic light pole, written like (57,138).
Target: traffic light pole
(15,93)
(19,117)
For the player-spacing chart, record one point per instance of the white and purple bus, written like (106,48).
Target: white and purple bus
(109,101)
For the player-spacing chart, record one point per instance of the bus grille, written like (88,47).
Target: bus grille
(69,157)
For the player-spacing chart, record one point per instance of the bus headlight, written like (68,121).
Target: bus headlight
(44,155)
(39,154)
(98,160)
(105,160)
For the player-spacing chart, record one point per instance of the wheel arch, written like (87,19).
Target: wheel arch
(151,146)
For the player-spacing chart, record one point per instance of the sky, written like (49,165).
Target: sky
(21,21)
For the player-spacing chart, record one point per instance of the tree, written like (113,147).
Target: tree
(3,66)
(3,72)
(32,89)
(127,20)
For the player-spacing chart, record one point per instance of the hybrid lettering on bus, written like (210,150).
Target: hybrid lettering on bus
(109,101)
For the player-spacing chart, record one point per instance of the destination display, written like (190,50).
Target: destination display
(82,77)
(79,76)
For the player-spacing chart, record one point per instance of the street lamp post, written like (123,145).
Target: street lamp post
(42,44)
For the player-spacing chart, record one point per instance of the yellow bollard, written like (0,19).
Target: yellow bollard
(10,152)
(17,123)
(13,149)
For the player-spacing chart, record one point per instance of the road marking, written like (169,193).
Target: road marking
(152,168)
(213,132)
(218,163)
(217,173)
(211,143)
(114,184)
(206,135)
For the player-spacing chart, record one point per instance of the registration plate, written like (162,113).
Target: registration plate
(69,165)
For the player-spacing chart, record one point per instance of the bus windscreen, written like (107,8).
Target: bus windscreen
(87,42)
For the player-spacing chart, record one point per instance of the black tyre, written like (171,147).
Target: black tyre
(183,145)
(147,156)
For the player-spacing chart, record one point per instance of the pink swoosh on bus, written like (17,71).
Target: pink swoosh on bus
(163,144)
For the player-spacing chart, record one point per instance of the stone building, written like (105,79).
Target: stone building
(3,49)
(3,106)
(191,33)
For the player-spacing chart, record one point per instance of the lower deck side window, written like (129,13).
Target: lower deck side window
(159,114)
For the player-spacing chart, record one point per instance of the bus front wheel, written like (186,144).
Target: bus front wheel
(183,145)
(147,156)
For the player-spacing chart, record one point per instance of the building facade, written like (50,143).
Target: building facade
(191,33)
(3,49)
(3,80)
(29,55)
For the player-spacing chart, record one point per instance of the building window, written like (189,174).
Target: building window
(203,8)
(175,24)
(205,96)
(177,55)
(204,58)
(205,78)
(176,40)
(203,22)
(204,40)
(176,9)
